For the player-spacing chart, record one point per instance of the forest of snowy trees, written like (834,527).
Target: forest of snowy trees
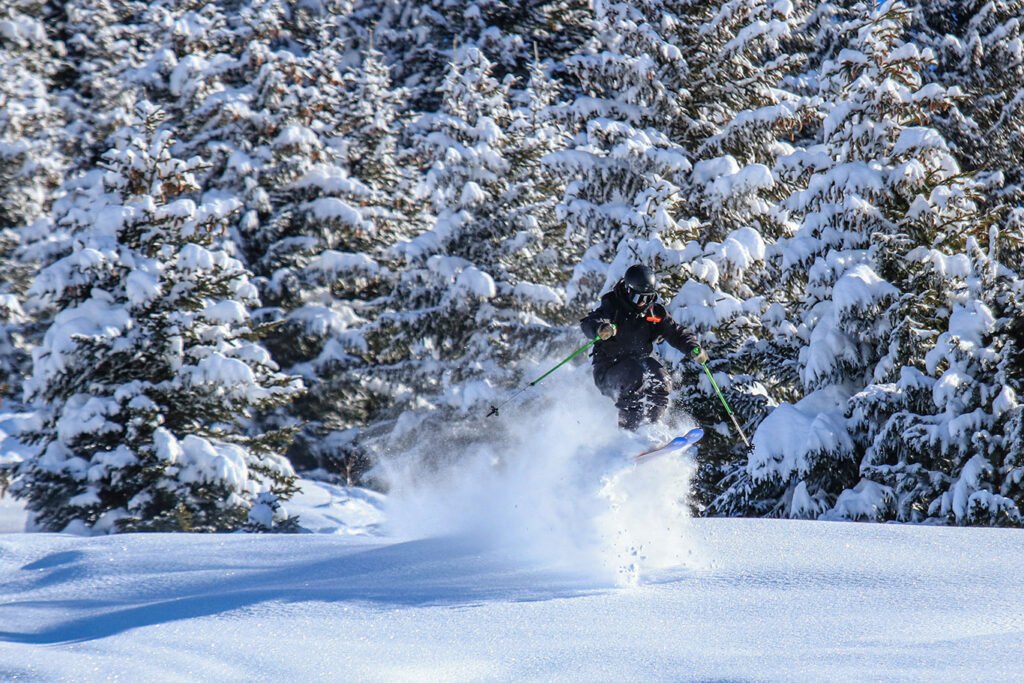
(245,238)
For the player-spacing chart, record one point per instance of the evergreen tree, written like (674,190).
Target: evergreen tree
(978,52)
(946,435)
(32,165)
(105,41)
(421,39)
(147,375)
(30,119)
(627,170)
(741,116)
(463,295)
(323,274)
(258,93)
(879,186)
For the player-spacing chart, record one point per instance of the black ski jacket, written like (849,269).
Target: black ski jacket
(637,330)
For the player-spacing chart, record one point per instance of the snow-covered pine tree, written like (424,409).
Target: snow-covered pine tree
(440,315)
(421,39)
(147,375)
(532,258)
(978,48)
(946,435)
(464,295)
(536,258)
(820,36)
(104,41)
(32,165)
(815,35)
(322,276)
(90,57)
(945,431)
(738,120)
(221,80)
(1008,308)
(252,92)
(880,185)
(626,171)
(16,327)
(31,159)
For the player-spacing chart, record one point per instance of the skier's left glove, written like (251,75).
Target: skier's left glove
(699,355)
(606,330)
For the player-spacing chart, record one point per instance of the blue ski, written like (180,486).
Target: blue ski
(679,443)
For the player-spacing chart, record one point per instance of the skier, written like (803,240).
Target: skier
(629,322)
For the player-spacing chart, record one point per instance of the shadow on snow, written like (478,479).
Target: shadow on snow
(442,572)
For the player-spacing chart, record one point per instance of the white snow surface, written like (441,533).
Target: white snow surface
(771,601)
(538,554)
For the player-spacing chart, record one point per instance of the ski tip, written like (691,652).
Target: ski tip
(693,435)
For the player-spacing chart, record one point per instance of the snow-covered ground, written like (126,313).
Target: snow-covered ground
(772,600)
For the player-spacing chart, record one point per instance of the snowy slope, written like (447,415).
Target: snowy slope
(774,600)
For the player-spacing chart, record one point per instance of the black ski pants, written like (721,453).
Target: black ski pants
(640,387)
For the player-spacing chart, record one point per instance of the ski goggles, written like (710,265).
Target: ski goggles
(642,299)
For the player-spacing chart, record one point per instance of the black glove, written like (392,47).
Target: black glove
(606,331)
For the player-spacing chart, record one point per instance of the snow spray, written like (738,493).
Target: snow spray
(555,486)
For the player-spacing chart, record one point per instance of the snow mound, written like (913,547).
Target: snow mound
(322,508)
(329,509)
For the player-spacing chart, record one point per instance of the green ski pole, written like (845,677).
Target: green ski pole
(721,397)
(494,409)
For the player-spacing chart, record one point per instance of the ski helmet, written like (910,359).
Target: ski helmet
(640,285)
